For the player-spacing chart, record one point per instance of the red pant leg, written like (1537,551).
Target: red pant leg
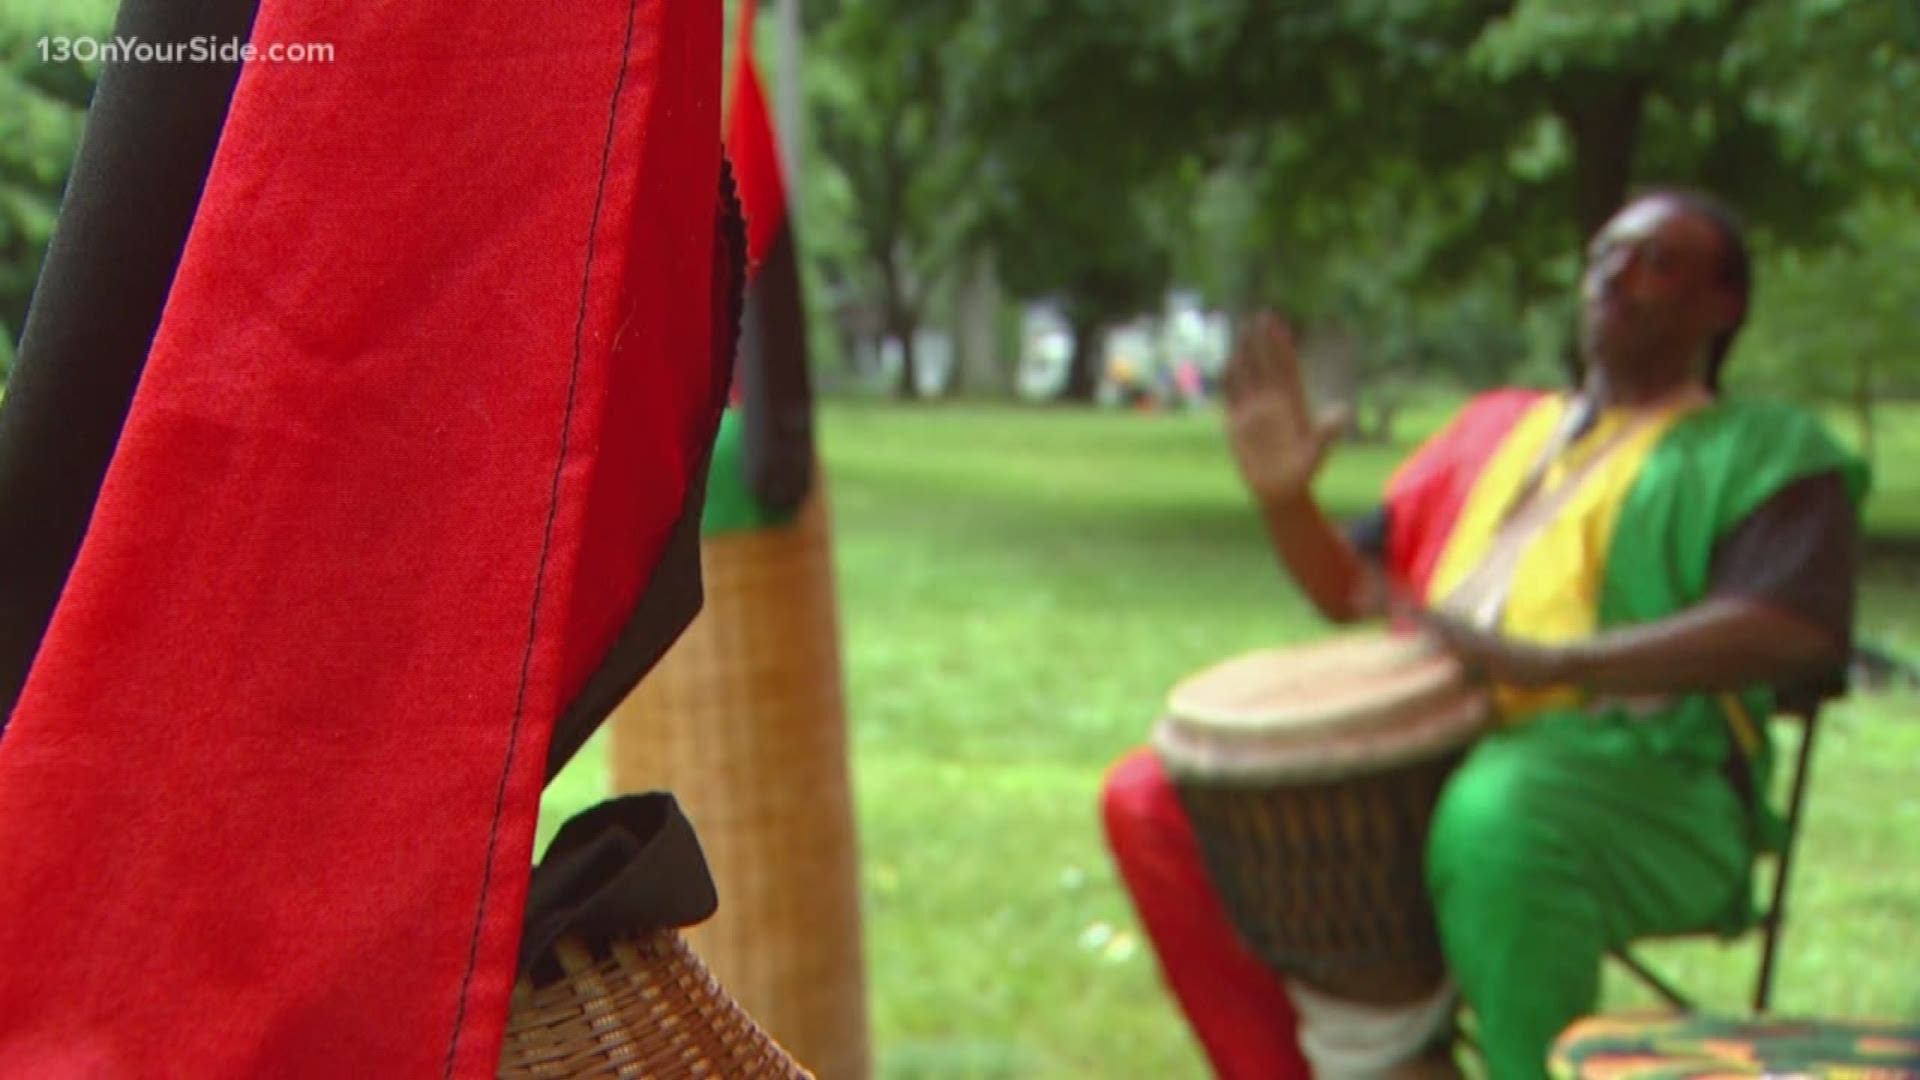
(1236,1007)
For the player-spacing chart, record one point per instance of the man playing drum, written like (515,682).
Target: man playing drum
(1630,567)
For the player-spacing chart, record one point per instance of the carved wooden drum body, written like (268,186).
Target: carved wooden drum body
(1310,775)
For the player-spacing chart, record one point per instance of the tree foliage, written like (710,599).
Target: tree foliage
(42,106)
(891,163)
(1425,170)
(1843,323)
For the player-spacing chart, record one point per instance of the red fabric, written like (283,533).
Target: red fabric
(1426,494)
(415,427)
(1236,1007)
(751,145)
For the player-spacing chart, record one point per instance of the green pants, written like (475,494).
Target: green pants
(1558,840)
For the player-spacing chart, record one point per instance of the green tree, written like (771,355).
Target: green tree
(892,162)
(1515,127)
(1086,161)
(1373,327)
(42,108)
(1484,139)
(1842,324)
(1415,174)
(1096,255)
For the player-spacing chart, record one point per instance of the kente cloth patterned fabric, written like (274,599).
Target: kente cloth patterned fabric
(1667,1047)
(433,385)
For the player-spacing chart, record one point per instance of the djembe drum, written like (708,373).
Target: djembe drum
(1310,775)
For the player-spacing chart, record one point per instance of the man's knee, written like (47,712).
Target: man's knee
(1489,823)
(1135,797)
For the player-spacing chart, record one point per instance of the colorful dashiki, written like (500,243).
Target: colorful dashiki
(1584,822)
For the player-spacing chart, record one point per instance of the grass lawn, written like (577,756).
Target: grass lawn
(1020,587)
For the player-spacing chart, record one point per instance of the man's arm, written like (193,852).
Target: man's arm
(1328,567)
(1779,611)
(1279,446)
(1726,643)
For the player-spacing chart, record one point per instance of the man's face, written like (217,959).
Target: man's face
(1651,295)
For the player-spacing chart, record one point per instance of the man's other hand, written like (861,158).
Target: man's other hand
(1492,656)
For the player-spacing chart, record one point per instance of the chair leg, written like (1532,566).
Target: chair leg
(1776,917)
(1654,982)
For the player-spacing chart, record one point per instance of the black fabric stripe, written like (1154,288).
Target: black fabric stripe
(129,205)
(776,392)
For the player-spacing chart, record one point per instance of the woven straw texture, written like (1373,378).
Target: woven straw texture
(649,1009)
(1325,881)
(743,720)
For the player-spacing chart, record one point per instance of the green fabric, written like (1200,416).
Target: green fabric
(1556,840)
(1707,475)
(1578,831)
(731,505)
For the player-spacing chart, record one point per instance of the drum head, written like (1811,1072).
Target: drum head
(1325,709)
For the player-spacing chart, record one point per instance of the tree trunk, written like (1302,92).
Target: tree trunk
(1330,361)
(1605,125)
(857,330)
(979,368)
(1083,371)
(908,388)
(1605,128)
(901,318)
(1386,409)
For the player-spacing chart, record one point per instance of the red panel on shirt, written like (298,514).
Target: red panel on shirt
(1427,492)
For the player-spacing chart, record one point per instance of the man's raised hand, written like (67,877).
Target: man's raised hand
(1276,440)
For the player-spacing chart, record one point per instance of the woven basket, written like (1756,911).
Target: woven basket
(650,1008)
(743,720)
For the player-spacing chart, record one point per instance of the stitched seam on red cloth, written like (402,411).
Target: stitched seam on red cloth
(546,547)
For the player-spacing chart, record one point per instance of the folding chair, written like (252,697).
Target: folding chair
(1798,707)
